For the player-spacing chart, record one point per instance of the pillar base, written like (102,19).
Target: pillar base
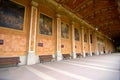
(102,52)
(97,53)
(106,52)
(59,56)
(31,58)
(84,55)
(90,53)
(74,55)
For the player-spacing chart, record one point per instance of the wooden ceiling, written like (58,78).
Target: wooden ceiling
(102,14)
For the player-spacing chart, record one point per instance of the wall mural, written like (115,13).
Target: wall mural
(64,30)
(11,15)
(45,25)
(76,32)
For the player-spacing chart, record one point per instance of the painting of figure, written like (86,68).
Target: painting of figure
(91,40)
(76,32)
(64,30)
(45,25)
(11,15)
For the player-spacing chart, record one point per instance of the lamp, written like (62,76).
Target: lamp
(96,28)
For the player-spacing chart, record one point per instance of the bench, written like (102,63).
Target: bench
(66,56)
(87,54)
(45,58)
(78,55)
(93,53)
(5,61)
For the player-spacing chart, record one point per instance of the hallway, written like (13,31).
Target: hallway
(102,67)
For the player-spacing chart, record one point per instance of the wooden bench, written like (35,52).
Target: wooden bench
(93,53)
(9,61)
(87,54)
(66,56)
(45,58)
(78,55)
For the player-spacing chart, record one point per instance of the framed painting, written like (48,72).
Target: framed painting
(85,37)
(11,15)
(76,32)
(91,40)
(45,25)
(64,30)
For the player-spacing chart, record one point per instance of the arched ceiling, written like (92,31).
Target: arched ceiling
(102,14)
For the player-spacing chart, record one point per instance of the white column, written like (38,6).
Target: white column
(96,44)
(82,42)
(58,54)
(32,36)
(106,44)
(90,51)
(73,41)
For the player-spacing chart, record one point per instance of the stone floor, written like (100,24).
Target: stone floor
(102,67)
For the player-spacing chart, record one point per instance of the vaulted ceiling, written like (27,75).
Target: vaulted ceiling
(101,14)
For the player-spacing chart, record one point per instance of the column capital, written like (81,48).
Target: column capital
(72,22)
(82,27)
(58,7)
(89,30)
(81,23)
(58,15)
(33,3)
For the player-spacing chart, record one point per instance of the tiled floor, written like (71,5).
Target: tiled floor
(102,67)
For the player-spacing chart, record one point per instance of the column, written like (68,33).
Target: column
(58,54)
(96,44)
(32,35)
(73,41)
(82,42)
(106,48)
(89,43)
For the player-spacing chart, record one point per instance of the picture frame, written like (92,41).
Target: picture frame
(11,15)
(91,38)
(76,33)
(45,25)
(64,30)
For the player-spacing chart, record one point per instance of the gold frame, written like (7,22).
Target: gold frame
(39,24)
(6,28)
(68,30)
(78,34)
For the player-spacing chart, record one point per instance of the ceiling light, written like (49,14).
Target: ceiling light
(96,28)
